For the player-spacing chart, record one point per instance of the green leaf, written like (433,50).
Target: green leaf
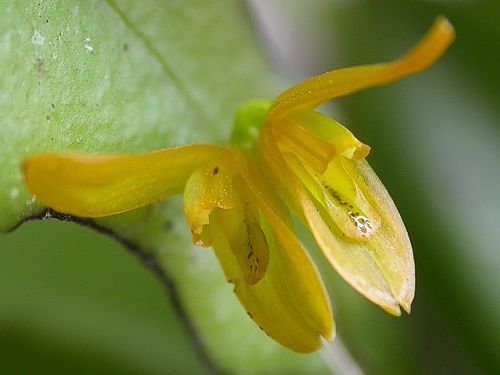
(128,76)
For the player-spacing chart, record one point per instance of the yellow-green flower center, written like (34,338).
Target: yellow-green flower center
(248,122)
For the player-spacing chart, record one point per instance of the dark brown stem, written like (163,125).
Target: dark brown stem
(149,261)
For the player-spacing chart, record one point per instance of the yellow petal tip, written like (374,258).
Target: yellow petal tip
(330,335)
(393,310)
(445,27)
(430,48)
(316,90)
(406,307)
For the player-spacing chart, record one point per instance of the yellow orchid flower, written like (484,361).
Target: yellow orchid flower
(283,157)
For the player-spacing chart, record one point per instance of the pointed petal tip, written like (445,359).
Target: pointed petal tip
(323,339)
(402,300)
(396,310)
(329,335)
(328,341)
(407,291)
(393,310)
(406,307)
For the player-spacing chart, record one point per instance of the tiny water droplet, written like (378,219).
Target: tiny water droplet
(88,47)
(363,224)
(13,193)
(37,38)
(30,201)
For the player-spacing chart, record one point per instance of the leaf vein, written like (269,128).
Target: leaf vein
(167,69)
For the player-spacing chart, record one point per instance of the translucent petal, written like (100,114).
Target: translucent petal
(390,247)
(290,302)
(284,182)
(350,258)
(99,185)
(245,239)
(207,188)
(381,268)
(339,195)
(330,131)
(314,91)
(358,262)
(295,139)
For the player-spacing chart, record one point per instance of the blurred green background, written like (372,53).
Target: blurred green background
(73,301)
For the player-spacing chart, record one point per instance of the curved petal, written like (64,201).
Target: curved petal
(284,182)
(381,268)
(391,247)
(271,303)
(290,302)
(246,240)
(350,258)
(330,131)
(210,196)
(209,187)
(99,185)
(340,197)
(314,91)
(355,261)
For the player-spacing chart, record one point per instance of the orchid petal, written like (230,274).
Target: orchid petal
(207,188)
(356,261)
(390,247)
(245,239)
(273,303)
(290,302)
(340,197)
(330,131)
(314,91)
(349,258)
(99,185)
(380,268)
